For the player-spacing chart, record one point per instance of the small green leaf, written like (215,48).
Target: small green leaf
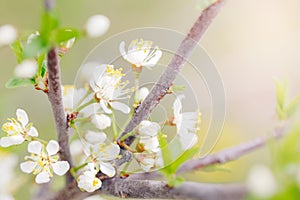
(177,88)
(18,82)
(36,47)
(65,34)
(18,50)
(292,107)
(50,22)
(281,92)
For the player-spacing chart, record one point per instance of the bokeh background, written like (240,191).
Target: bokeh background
(251,42)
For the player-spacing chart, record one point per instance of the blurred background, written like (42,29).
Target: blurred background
(251,42)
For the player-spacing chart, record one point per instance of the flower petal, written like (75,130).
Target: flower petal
(120,106)
(35,147)
(122,50)
(108,169)
(101,121)
(109,152)
(11,140)
(60,167)
(22,117)
(33,132)
(28,166)
(94,138)
(42,177)
(52,147)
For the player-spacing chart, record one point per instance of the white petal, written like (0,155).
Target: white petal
(120,106)
(27,166)
(109,152)
(94,138)
(122,50)
(11,140)
(153,61)
(108,169)
(105,108)
(7,34)
(143,93)
(188,140)
(35,147)
(177,106)
(33,132)
(60,167)
(97,25)
(42,177)
(101,121)
(52,147)
(22,117)
(26,69)
(147,128)
(76,147)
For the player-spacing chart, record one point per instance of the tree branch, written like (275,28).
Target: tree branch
(55,98)
(232,153)
(176,64)
(221,157)
(159,190)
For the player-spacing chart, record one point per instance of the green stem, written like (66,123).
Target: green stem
(85,119)
(114,125)
(75,169)
(38,139)
(85,105)
(126,136)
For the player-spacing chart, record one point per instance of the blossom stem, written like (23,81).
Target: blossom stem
(85,119)
(114,125)
(74,170)
(85,105)
(38,139)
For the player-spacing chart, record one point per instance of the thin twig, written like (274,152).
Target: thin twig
(160,89)
(221,157)
(55,98)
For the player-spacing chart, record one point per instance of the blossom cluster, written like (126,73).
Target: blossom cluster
(91,111)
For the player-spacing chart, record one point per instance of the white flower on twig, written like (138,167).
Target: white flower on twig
(101,121)
(148,135)
(186,124)
(18,130)
(8,34)
(44,161)
(26,69)
(97,25)
(102,154)
(88,180)
(140,53)
(108,88)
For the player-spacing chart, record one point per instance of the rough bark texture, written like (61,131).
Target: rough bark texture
(55,98)
(167,78)
(145,189)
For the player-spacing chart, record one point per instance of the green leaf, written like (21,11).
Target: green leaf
(292,107)
(281,92)
(18,82)
(163,143)
(36,47)
(50,22)
(18,50)
(65,34)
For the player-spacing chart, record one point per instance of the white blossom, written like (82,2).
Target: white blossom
(95,137)
(261,182)
(32,36)
(108,88)
(102,154)
(145,160)
(186,124)
(18,130)
(26,69)
(140,53)
(8,34)
(88,180)
(101,121)
(142,94)
(97,25)
(148,135)
(72,96)
(44,161)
